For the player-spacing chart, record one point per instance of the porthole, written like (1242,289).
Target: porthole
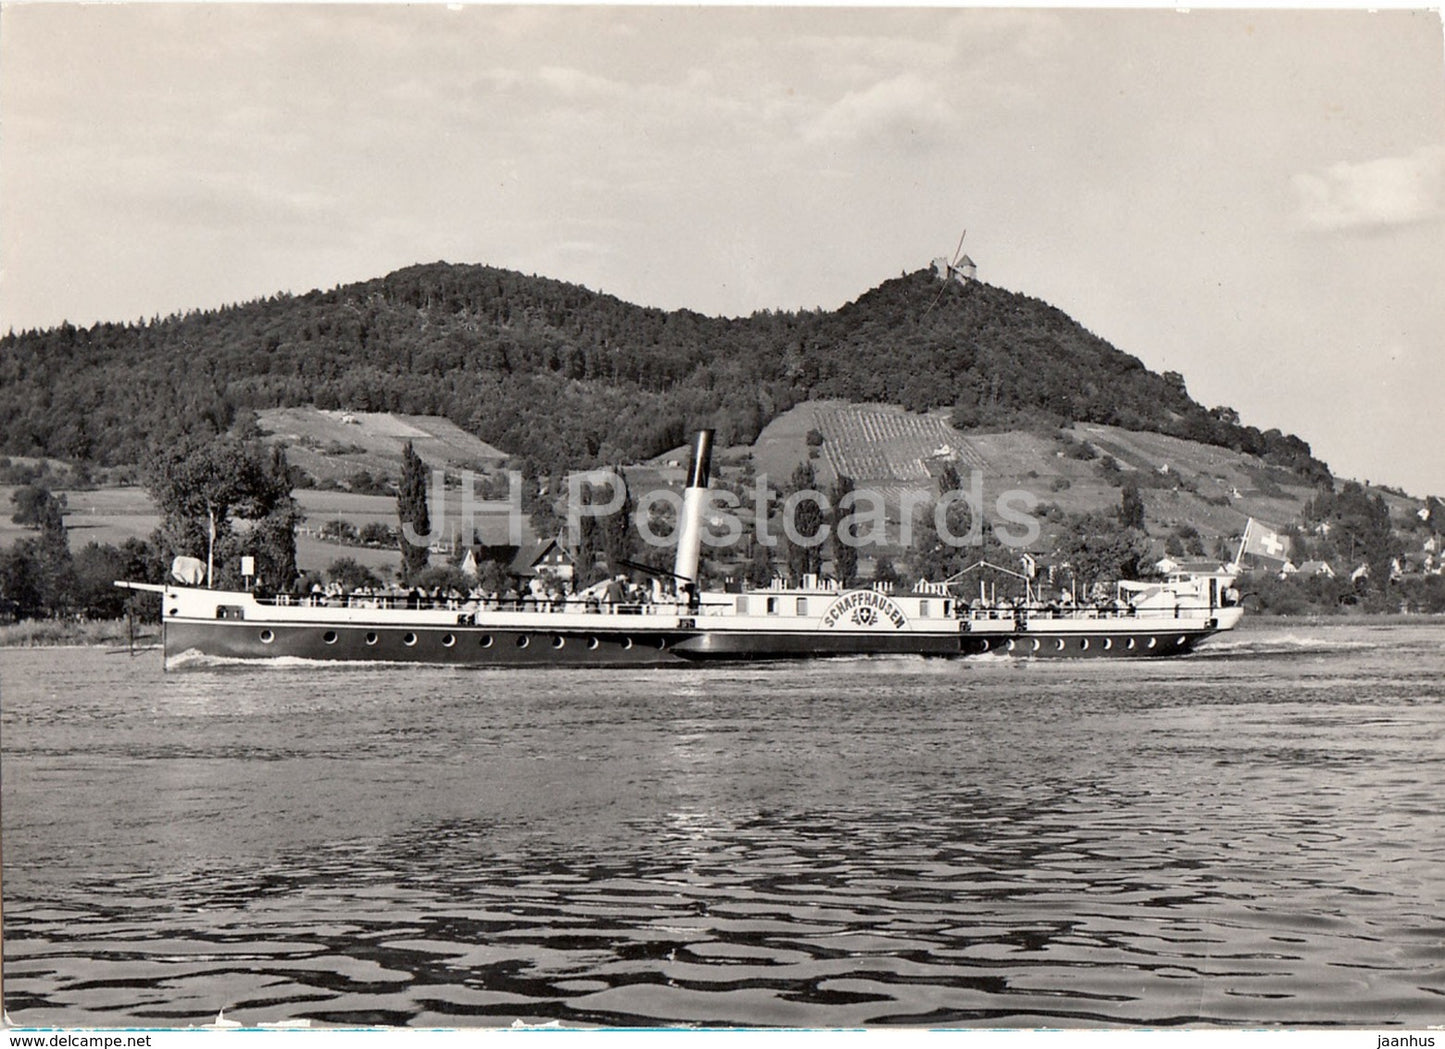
(592,642)
(1108,643)
(408,639)
(626,642)
(661,644)
(1182,639)
(1036,644)
(174,612)
(267,637)
(523,640)
(448,640)
(985,644)
(558,641)
(1131,642)
(371,637)
(1084,645)
(1060,644)
(1010,646)
(1153,641)
(329,637)
(485,641)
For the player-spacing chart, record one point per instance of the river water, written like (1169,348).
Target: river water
(1248,836)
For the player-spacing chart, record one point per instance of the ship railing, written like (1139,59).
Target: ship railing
(471,605)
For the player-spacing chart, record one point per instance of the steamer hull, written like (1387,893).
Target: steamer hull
(774,625)
(430,645)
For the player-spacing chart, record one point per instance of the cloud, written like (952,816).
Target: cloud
(1374,194)
(902,111)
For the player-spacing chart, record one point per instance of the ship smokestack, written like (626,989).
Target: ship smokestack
(694,502)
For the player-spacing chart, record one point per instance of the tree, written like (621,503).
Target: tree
(606,536)
(1098,550)
(351,574)
(36,507)
(199,484)
(411,509)
(805,557)
(38,573)
(615,529)
(374,533)
(1131,507)
(760,570)
(845,547)
(96,569)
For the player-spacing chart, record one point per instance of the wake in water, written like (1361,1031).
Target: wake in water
(1281,644)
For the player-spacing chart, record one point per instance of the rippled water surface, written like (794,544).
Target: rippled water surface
(1251,835)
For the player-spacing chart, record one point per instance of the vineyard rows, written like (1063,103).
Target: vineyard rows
(868,444)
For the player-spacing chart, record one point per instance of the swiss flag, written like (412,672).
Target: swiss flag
(1264,541)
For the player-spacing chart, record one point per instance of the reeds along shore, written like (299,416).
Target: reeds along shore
(38,633)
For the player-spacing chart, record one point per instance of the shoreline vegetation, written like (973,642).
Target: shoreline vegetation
(59,633)
(109,633)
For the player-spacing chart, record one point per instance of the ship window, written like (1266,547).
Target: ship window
(329,637)
(558,641)
(802,606)
(449,640)
(230,612)
(772,606)
(947,609)
(627,642)
(923,609)
(523,641)
(267,637)
(742,606)
(485,641)
(592,642)
(371,638)
(408,639)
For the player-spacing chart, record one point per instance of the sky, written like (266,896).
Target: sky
(1255,199)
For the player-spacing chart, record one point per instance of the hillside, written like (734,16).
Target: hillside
(892,451)
(883,447)
(333,446)
(563,376)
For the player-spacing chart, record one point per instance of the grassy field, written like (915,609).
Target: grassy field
(333,445)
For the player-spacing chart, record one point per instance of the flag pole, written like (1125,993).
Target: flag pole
(1244,539)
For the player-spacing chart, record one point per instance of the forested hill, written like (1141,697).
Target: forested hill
(566,376)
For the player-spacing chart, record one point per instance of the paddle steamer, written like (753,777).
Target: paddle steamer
(815,620)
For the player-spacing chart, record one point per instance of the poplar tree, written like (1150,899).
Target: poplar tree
(807,521)
(411,509)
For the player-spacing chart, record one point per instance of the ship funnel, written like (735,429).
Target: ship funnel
(694,503)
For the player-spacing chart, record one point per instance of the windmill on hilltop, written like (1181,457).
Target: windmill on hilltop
(961,269)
